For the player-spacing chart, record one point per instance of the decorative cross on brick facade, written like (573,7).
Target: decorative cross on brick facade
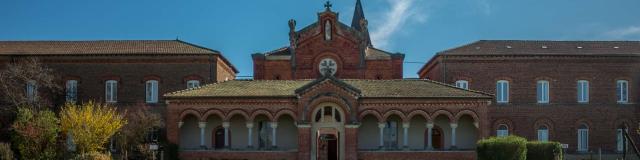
(328,5)
(328,66)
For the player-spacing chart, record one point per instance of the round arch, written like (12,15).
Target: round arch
(392,112)
(421,113)
(187,112)
(372,112)
(237,112)
(285,112)
(503,121)
(212,112)
(258,112)
(341,103)
(442,112)
(471,113)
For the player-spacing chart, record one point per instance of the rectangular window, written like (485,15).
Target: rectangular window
(622,91)
(583,139)
(502,133)
(31,91)
(619,141)
(111,91)
(152,91)
(72,91)
(543,91)
(583,91)
(543,135)
(502,91)
(193,84)
(462,84)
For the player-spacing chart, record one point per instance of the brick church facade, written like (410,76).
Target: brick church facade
(330,94)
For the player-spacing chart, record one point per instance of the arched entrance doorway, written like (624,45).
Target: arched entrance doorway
(328,132)
(218,137)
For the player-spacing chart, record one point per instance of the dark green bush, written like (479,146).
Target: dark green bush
(544,150)
(504,148)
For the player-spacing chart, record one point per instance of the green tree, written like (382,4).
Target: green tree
(140,123)
(90,125)
(35,134)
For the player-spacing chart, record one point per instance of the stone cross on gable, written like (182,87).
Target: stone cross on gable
(327,5)
(328,67)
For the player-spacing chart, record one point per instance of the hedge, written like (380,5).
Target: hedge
(517,148)
(544,150)
(504,148)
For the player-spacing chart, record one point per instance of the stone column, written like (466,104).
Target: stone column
(381,127)
(274,128)
(226,125)
(453,135)
(429,135)
(249,134)
(405,137)
(202,126)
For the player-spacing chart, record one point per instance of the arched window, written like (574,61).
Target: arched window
(71,90)
(583,91)
(111,91)
(543,133)
(583,138)
(502,91)
(543,91)
(622,91)
(193,84)
(502,131)
(152,91)
(462,84)
(328,114)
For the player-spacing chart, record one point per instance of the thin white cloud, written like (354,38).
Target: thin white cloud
(395,19)
(485,6)
(624,32)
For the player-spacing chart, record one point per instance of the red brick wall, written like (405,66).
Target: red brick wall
(438,155)
(563,114)
(224,71)
(171,71)
(220,155)
(344,47)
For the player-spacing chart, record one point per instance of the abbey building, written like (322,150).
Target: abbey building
(331,94)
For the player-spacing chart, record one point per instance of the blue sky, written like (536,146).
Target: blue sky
(238,28)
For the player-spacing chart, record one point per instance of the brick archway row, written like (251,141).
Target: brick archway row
(429,117)
(226,116)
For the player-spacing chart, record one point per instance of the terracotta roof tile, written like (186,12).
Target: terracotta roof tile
(369,88)
(101,47)
(534,47)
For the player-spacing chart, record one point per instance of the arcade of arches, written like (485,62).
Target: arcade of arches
(324,119)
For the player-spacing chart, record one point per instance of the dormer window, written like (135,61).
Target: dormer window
(327,30)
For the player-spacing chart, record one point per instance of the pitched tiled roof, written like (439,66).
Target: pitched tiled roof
(368,88)
(534,47)
(101,47)
(284,51)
